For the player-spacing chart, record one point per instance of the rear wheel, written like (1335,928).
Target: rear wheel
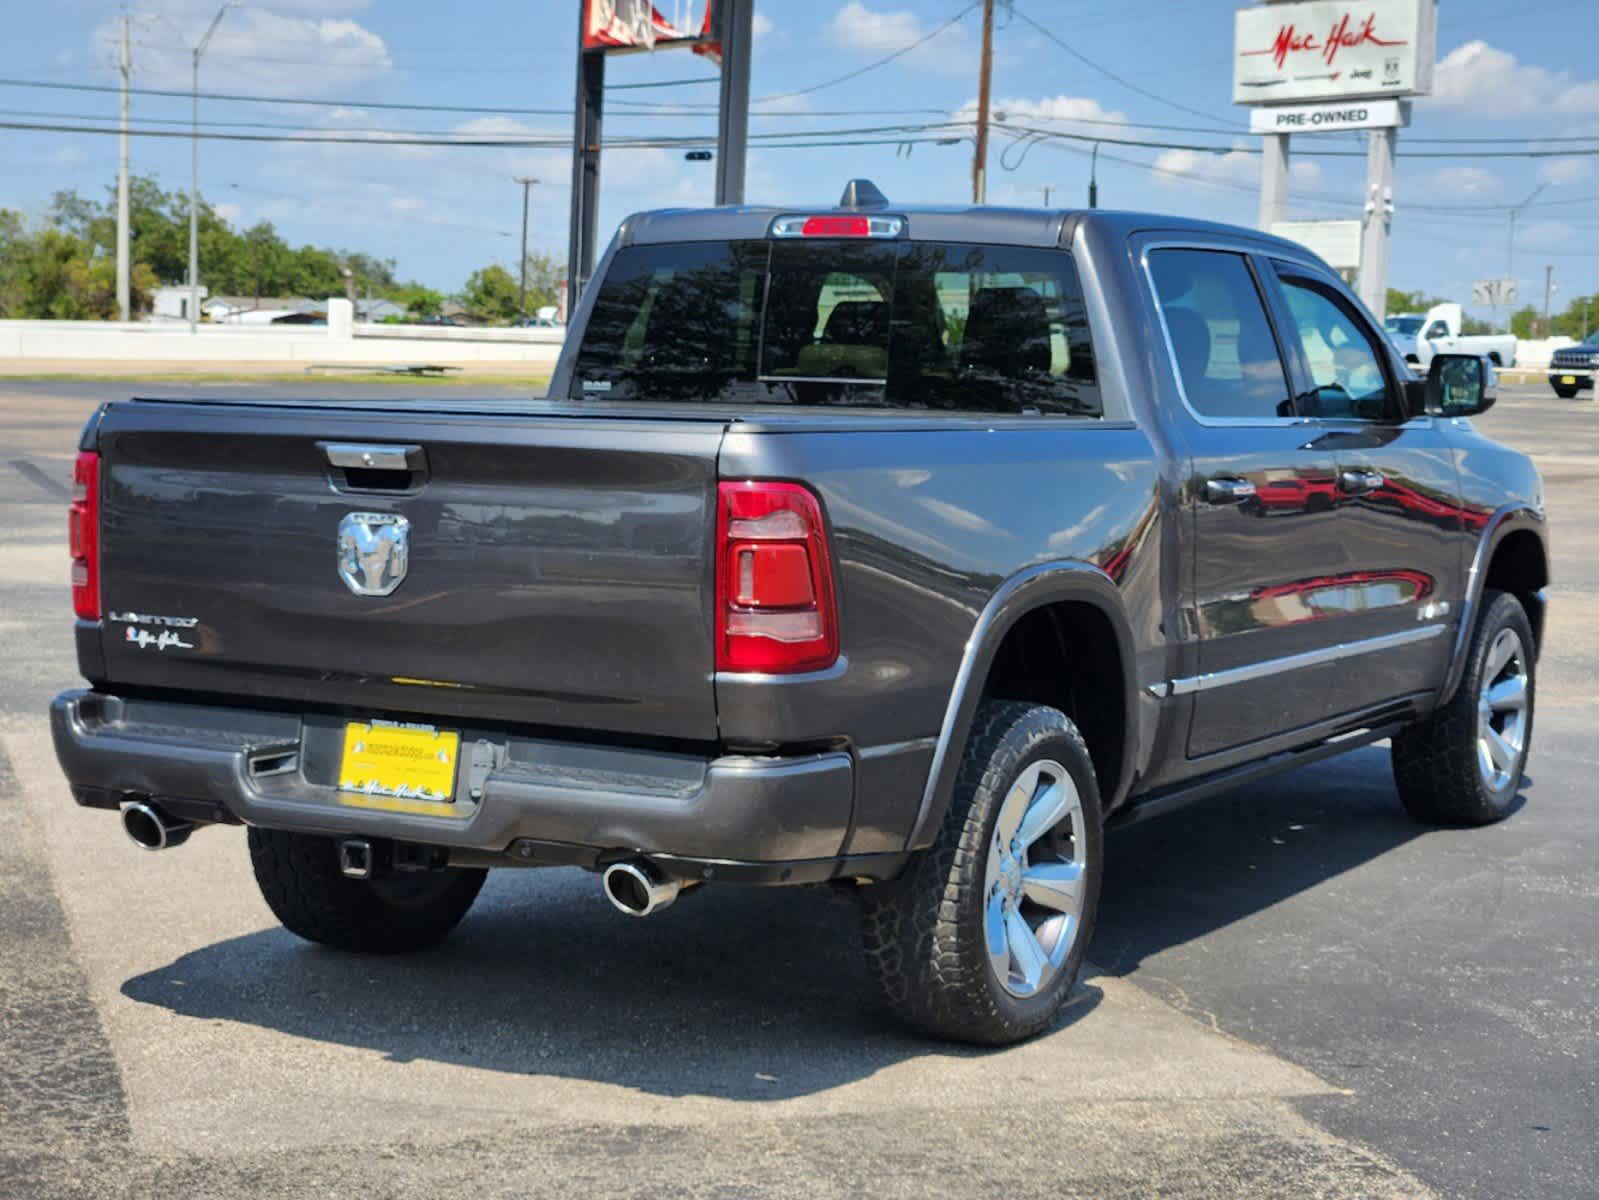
(300,879)
(981,939)
(1463,765)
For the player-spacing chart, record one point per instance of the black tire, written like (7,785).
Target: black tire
(924,932)
(1566,393)
(1436,761)
(301,882)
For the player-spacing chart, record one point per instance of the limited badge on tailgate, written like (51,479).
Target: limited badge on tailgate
(398,762)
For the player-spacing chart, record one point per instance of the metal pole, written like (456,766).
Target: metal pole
(1379,219)
(527,182)
(586,124)
(194,205)
(1510,245)
(194,173)
(984,78)
(1548,287)
(1093,177)
(1048,188)
(124,285)
(1273,179)
(733,114)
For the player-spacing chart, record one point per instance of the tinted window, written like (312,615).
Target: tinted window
(673,323)
(875,324)
(1346,374)
(1219,334)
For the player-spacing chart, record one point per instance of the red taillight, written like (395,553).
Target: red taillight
(836,227)
(775,608)
(83,536)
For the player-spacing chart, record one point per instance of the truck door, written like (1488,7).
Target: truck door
(1260,497)
(1398,575)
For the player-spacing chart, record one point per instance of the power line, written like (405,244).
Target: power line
(871,66)
(295,100)
(1115,78)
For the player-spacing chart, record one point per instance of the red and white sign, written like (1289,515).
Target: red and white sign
(639,25)
(1329,49)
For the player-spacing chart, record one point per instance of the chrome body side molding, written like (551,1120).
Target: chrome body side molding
(1293,662)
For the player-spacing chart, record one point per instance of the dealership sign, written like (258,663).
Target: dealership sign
(1342,114)
(1328,50)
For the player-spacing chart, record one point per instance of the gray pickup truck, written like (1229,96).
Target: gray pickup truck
(901,549)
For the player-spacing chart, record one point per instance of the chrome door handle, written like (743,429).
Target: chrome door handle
(1357,480)
(372,457)
(1225,489)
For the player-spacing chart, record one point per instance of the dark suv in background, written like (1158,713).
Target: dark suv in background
(1571,369)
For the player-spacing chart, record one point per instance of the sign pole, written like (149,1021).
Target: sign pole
(1273,180)
(1379,219)
(737,20)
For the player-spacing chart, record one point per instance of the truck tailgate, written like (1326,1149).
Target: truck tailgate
(556,568)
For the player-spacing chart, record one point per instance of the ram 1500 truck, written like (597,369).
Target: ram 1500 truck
(902,549)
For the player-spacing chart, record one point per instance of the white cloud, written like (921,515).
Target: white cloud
(405,204)
(1464,182)
(862,30)
(761,26)
(283,47)
(1560,171)
(1238,165)
(1082,109)
(68,156)
(1485,81)
(231,213)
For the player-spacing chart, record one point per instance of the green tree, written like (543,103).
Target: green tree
(1526,322)
(1409,302)
(544,275)
(1580,319)
(491,294)
(419,301)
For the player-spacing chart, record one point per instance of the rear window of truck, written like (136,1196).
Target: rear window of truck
(905,325)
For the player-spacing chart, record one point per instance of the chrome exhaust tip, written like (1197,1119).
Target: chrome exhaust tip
(151,827)
(638,889)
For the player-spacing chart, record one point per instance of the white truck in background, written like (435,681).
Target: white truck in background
(1419,336)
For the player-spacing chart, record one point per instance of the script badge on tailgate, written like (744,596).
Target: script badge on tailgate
(374,552)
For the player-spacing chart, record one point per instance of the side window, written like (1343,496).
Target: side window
(992,329)
(1436,330)
(1225,351)
(1346,375)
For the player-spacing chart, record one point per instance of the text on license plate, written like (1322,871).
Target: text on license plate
(401,768)
(1568,379)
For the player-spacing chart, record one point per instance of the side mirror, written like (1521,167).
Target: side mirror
(1460,385)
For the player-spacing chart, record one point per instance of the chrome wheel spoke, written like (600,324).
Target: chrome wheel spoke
(1014,809)
(1510,694)
(1499,750)
(1055,885)
(1025,951)
(1052,806)
(997,937)
(1504,646)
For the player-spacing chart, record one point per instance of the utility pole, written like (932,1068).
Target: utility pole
(1047,188)
(124,287)
(985,74)
(1548,287)
(527,182)
(1378,217)
(1510,245)
(1093,178)
(194,174)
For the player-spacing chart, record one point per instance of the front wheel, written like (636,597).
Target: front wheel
(300,879)
(1463,764)
(1565,393)
(981,939)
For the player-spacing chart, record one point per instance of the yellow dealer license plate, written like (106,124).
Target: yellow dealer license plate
(399,768)
(1568,379)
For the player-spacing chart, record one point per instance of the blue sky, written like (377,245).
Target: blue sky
(1507,71)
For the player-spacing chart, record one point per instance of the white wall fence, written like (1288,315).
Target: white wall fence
(340,341)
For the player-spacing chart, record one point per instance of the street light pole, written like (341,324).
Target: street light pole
(124,287)
(527,182)
(194,174)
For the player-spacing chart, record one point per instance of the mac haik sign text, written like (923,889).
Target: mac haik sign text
(1325,50)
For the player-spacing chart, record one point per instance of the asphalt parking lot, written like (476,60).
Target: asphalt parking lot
(1296,991)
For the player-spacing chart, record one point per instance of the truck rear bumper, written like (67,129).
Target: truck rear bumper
(527,800)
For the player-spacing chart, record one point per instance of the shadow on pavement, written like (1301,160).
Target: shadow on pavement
(1181,876)
(753,994)
(744,994)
